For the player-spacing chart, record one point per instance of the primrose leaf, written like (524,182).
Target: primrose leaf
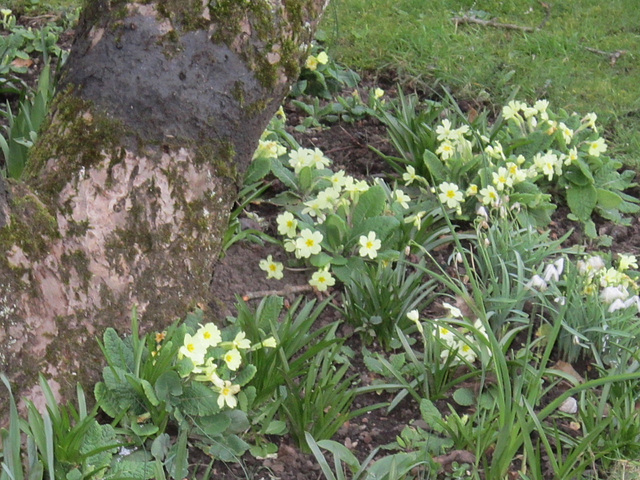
(258,169)
(214,425)
(198,399)
(582,201)
(168,384)
(270,309)
(370,204)
(117,352)
(430,414)
(608,200)
(246,375)
(464,397)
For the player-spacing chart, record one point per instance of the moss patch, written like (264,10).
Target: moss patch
(78,138)
(31,227)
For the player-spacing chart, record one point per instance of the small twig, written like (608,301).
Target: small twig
(491,23)
(547,8)
(507,26)
(613,56)
(285,291)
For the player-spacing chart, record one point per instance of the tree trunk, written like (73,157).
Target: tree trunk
(128,189)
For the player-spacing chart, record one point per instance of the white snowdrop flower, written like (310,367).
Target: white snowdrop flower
(413,315)
(453,311)
(553,271)
(537,283)
(617,304)
(611,294)
(482,212)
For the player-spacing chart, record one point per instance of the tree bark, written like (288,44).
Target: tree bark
(128,189)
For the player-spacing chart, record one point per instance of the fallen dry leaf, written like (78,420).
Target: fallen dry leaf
(568,369)
(22,62)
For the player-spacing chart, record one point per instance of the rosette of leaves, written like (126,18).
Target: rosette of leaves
(145,388)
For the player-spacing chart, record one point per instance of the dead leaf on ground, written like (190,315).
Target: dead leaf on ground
(22,62)
(568,369)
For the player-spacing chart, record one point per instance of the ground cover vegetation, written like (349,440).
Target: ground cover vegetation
(442,284)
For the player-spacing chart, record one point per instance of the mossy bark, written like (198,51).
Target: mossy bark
(128,190)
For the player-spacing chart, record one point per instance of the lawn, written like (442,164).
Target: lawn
(419,43)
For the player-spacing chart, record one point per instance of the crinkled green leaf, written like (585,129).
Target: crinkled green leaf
(245,375)
(118,353)
(168,384)
(370,204)
(582,201)
(198,399)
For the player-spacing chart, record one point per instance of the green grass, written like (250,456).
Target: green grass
(418,40)
(36,7)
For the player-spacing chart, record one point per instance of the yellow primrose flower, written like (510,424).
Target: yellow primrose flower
(318,160)
(501,178)
(322,280)
(233,359)
(338,180)
(454,312)
(369,245)
(627,262)
(401,198)
(465,352)
(571,157)
(444,131)
(329,197)
(287,224)
(193,348)
(322,58)
(414,316)
(241,342)
(269,149)
(378,93)
(308,243)
(273,269)
(489,195)
(300,158)
(410,175)
(567,133)
(210,334)
(269,343)
(311,63)
(450,194)
(314,208)
(597,147)
(495,151)
(446,150)
(227,392)
(510,111)
(589,121)
(416,219)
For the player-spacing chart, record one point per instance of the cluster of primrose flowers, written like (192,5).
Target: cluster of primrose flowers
(499,175)
(216,361)
(460,342)
(340,190)
(313,61)
(614,286)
